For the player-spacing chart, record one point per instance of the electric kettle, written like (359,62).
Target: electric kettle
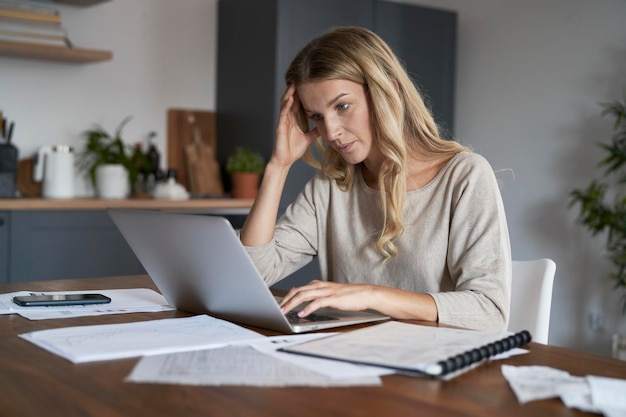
(55,167)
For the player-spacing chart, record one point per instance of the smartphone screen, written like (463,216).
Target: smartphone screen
(60,300)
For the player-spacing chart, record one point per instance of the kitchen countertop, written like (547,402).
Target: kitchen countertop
(200,204)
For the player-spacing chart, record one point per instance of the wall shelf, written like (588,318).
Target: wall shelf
(83,3)
(50,52)
(53,52)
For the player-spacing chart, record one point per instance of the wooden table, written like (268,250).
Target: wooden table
(34,382)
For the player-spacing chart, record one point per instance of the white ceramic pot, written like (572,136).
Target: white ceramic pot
(112,181)
(619,346)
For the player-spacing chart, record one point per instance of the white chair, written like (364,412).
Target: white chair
(531,297)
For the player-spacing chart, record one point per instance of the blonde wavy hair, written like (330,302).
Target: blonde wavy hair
(401,122)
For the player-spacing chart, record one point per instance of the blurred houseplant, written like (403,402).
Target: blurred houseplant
(245,168)
(109,161)
(603,203)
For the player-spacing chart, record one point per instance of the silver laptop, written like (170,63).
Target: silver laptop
(199,265)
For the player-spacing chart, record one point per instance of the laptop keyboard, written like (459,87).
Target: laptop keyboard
(293,318)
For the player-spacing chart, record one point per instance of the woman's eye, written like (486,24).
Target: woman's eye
(343,106)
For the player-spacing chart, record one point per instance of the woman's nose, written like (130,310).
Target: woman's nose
(332,130)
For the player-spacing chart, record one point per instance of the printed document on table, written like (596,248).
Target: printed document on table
(114,341)
(133,300)
(330,368)
(257,364)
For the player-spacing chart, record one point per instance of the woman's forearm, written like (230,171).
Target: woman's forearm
(258,228)
(401,304)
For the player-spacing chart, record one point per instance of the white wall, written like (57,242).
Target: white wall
(530,74)
(163,57)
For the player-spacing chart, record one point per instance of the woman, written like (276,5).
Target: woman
(401,220)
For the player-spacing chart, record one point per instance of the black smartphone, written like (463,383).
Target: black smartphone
(60,300)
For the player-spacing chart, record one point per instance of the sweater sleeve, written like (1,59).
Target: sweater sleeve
(479,254)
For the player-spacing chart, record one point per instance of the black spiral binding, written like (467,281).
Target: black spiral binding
(470,357)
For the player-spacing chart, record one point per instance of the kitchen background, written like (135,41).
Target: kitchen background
(529,77)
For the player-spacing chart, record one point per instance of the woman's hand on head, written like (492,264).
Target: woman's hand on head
(291,142)
(320,294)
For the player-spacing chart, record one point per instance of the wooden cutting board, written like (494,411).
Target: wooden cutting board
(180,134)
(27,186)
(203,171)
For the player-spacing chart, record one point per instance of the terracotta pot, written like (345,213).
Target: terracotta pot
(245,184)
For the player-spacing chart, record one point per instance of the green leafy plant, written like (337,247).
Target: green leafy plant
(104,148)
(603,203)
(245,160)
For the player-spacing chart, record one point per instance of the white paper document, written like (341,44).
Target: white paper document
(257,364)
(132,300)
(404,347)
(328,367)
(591,393)
(114,341)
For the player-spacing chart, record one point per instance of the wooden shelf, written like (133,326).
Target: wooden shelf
(84,3)
(49,52)
(194,204)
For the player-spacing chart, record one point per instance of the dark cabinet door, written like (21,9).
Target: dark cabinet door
(49,245)
(4,246)
(425,39)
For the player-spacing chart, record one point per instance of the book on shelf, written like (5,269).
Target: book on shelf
(33,32)
(28,15)
(37,40)
(414,349)
(29,11)
(36,6)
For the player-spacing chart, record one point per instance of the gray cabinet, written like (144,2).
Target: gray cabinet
(4,245)
(39,245)
(46,245)
(425,40)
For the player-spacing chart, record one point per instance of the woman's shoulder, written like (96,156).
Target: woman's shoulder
(319,180)
(319,185)
(467,163)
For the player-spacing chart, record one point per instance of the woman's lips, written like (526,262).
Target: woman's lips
(345,148)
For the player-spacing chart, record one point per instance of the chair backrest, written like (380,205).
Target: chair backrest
(531,297)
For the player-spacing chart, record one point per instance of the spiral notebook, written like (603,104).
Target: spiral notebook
(414,349)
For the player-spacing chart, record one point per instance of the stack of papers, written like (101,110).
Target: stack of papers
(254,364)
(115,341)
(591,393)
(202,350)
(133,300)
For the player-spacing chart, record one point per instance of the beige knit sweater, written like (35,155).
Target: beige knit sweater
(455,244)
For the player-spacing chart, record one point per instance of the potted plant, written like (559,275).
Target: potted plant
(245,168)
(109,161)
(603,206)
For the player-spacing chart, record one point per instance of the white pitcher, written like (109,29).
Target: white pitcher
(55,167)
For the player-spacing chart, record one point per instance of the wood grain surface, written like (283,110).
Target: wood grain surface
(180,127)
(38,383)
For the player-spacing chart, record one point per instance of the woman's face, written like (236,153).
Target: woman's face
(340,111)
